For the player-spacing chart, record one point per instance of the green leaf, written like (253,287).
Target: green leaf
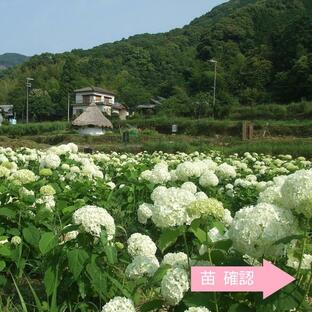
(197,299)
(23,304)
(2,265)
(197,231)
(168,237)
(49,281)
(122,288)
(239,307)
(5,251)
(76,261)
(111,254)
(160,273)
(152,305)
(98,279)
(31,235)
(6,212)
(223,244)
(288,239)
(47,242)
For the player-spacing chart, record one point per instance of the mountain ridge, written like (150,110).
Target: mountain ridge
(11,59)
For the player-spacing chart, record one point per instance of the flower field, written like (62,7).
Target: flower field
(119,232)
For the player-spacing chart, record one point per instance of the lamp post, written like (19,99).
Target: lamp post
(215,83)
(28,86)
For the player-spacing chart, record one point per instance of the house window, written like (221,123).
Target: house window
(98,98)
(86,99)
(107,99)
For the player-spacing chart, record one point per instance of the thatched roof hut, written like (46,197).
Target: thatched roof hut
(92,121)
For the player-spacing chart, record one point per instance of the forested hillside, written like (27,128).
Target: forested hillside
(263,49)
(11,59)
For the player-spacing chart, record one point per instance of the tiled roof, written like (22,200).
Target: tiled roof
(94,89)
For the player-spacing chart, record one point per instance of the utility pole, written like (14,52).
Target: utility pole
(214,84)
(28,86)
(68,106)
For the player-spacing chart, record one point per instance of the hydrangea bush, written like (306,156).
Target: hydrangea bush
(119,232)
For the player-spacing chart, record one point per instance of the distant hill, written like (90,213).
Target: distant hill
(263,49)
(11,59)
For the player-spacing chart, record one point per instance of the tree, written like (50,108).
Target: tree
(41,106)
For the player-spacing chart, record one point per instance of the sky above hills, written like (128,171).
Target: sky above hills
(36,26)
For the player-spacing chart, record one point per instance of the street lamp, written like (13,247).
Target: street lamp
(28,86)
(215,83)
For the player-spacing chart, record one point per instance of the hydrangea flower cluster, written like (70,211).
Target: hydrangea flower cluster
(255,229)
(197,309)
(158,175)
(23,176)
(119,304)
(141,245)
(176,259)
(51,161)
(206,207)
(297,192)
(174,285)
(92,218)
(142,249)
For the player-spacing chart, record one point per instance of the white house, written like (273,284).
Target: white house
(103,99)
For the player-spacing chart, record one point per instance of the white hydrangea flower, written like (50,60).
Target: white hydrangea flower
(51,161)
(201,196)
(297,192)
(111,185)
(170,206)
(47,201)
(141,266)
(23,176)
(189,186)
(271,195)
(255,229)
(16,240)
(92,218)
(305,265)
(47,190)
(174,285)
(119,304)
(73,147)
(227,218)
(4,172)
(141,245)
(159,174)
(65,167)
(23,191)
(145,212)
(226,171)
(208,178)
(187,170)
(176,259)
(197,309)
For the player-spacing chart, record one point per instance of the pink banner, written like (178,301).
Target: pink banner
(267,279)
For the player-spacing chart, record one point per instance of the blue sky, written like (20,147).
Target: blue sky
(36,26)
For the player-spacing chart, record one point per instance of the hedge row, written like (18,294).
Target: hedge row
(209,127)
(302,110)
(33,128)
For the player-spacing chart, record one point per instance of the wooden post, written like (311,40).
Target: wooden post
(244,131)
(247,131)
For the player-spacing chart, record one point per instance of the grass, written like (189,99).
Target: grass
(169,143)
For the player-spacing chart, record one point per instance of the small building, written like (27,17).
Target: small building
(121,110)
(92,121)
(151,107)
(7,111)
(104,100)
